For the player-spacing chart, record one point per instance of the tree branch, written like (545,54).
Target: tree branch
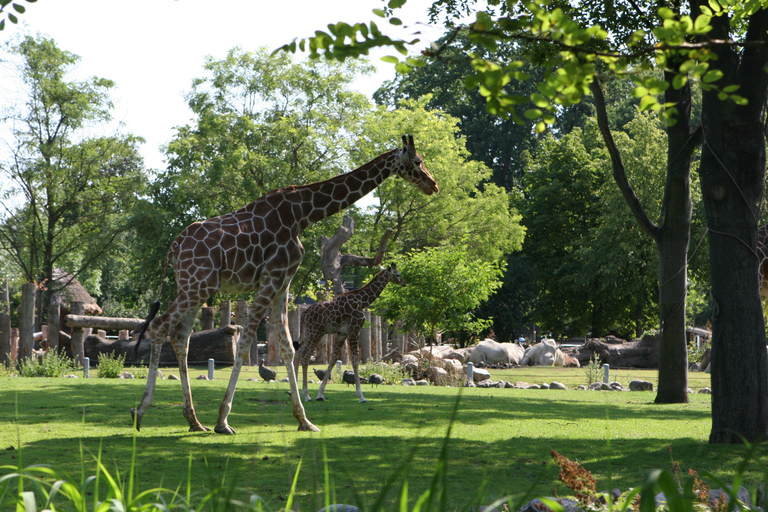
(619,172)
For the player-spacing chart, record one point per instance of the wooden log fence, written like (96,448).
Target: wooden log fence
(17,343)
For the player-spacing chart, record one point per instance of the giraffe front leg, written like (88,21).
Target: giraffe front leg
(337,342)
(280,322)
(243,349)
(149,390)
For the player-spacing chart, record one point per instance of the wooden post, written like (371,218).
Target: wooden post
(376,329)
(27,320)
(5,339)
(365,339)
(15,344)
(384,337)
(124,334)
(77,308)
(272,352)
(101,333)
(225,313)
(206,318)
(54,326)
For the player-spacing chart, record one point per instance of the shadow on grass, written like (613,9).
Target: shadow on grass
(364,443)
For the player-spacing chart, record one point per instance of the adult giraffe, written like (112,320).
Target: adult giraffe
(257,248)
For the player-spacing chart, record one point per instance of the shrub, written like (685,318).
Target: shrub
(593,370)
(110,366)
(391,374)
(50,365)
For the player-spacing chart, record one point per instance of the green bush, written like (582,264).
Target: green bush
(391,374)
(593,370)
(50,365)
(110,366)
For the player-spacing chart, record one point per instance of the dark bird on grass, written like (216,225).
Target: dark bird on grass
(321,374)
(348,376)
(375,378)
(265,373)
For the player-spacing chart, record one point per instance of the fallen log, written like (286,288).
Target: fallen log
(103,322)
(216,344)
(643,353)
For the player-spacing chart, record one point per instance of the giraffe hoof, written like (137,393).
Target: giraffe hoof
(198,428)
(320,399)
(363,401)
(308,427)
(225,429)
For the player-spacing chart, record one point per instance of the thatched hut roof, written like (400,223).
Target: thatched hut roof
(67,289)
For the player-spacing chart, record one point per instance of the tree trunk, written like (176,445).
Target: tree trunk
(671,237)
(732,181)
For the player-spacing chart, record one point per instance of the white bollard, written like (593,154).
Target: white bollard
(470,372)
(86,367)
(606,379)
(210,369)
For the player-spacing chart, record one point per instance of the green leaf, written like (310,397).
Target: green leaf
(702,24)
(13,18)
(379,13)
(666,13)
(679,81)
(532,113)
(19,8)
(395,4)
(390,59)
(649,102)
(739,100)
(730,88)
(2,24)
(688,65)
(395,21)
(713,75)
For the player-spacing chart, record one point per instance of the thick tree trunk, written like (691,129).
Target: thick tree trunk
(672,243)
(671,236)
(732,182)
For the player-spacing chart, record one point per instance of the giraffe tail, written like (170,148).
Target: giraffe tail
(154,308)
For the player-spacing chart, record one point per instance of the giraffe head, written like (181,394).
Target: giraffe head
(411,167)
(391,275)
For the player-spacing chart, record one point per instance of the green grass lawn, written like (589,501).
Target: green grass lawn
(500,442)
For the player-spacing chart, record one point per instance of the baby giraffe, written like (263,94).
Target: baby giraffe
(344,315)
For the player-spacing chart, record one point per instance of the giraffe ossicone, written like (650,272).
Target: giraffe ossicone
(344,315)
(257,248)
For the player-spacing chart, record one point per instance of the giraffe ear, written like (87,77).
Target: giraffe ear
(410,141)
(405,141)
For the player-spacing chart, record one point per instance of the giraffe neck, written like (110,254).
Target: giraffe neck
(336,194)
(371,290)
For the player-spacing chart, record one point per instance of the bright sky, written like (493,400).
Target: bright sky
(153,49)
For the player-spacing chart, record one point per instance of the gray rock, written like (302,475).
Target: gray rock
(487,383)
(422,383)
(640,385)
(339,508)
(480,374)
(126,375)
(705,391)
(557,385)
(202,377)
(714,495)
(582,387)
(408,382)
(533,386)
(537,505)
(176,377)
(285,379)
(543,385)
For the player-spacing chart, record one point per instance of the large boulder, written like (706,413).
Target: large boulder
(544,353)
(489,351)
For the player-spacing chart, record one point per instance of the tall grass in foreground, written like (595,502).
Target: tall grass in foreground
(40,488)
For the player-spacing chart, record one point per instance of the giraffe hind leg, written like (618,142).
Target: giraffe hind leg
(180,341)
